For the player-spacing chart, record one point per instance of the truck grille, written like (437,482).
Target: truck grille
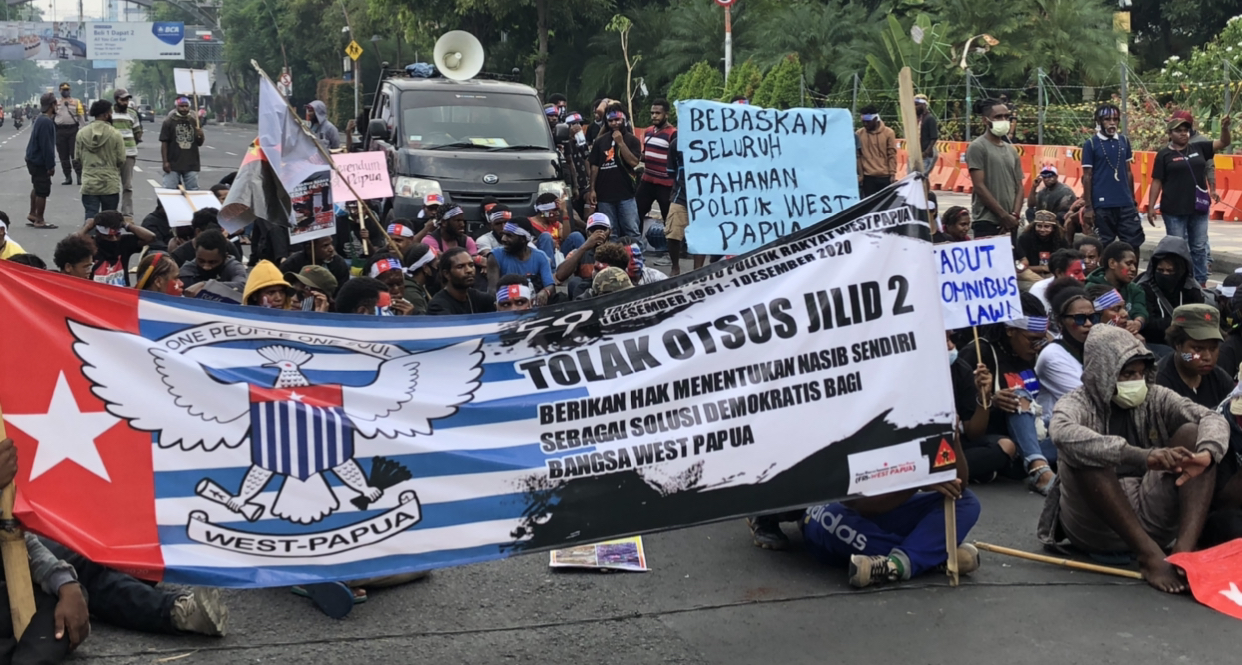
(477,197)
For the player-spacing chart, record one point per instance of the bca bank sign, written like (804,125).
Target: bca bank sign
(169,33)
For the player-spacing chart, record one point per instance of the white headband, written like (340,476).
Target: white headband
(3,225)
(427,258)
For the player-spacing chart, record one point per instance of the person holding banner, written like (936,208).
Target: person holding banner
(1008,351)
(457,295)
(1117,425)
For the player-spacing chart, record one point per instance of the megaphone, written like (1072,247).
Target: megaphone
(459,55)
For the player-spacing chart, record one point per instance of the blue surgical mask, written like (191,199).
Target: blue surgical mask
(952,356)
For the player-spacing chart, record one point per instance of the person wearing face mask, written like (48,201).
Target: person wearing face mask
(69,116)
(1137,462)
(1167,284)
(1179,184)
(995,175)
(1107,187)
(1191,370)
(180,138)
(877,151)
(100,150)
(1229,302)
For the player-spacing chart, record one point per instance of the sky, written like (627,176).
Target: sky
(67,10)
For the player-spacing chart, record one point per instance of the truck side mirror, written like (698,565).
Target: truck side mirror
(563,134)
(378,129)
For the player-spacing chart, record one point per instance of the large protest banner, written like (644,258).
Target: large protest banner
(754,175)
(978,284)
(71,40)
(210,444)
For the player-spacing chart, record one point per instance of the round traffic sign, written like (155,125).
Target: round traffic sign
(725,3)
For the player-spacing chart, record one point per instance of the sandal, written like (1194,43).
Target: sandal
(334,599)
(1033,476)
(44,225)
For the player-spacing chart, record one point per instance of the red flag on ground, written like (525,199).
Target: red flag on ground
(1215,576)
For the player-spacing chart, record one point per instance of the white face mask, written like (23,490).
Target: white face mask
(1000,127)
(1130,393)
(952,356)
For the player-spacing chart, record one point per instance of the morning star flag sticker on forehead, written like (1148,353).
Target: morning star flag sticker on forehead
(202,443)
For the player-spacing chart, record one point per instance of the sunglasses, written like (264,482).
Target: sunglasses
(1082,319)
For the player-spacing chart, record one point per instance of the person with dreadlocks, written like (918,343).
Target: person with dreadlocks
(1108,190)
(1008,352)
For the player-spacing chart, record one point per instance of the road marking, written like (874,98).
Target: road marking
(210,147)
(230,153)
(154,183)
(138,168)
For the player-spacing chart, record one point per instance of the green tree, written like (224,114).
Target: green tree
(828,37)
(743,81)
(782,86)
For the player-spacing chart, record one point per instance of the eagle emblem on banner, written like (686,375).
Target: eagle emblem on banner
(296,429)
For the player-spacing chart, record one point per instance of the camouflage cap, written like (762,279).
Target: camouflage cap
(611,279)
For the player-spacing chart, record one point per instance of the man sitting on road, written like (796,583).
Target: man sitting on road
(1191,370)
(1137,462)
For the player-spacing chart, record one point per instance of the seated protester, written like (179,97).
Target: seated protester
(318,252)
(514,294)
(578,267)
(75,255)
(221,190)
(988,454)
(449,232)
(157,272)
(628,257)
(1059,367)
(1136,461)
(28,260)
(550,220)
(156,222)
(387,268)
(609,280)
(116,241)
(1008,352)
(1039,241)
(899,535)
(266,287)
(1168,283)
(361,295)
(419,261)
(1118,269)
(314,288)
(368,232)
(206,218)
(1091,249)
(212,261)
(1231,323)
(497,217)
(456,279)
(517,257)
(61,619)
(1064,262)
(1224,522)
(8,246)
(955,225)
(403,235)
(1055,196)
(1191,370)
(486,204)
(432,203)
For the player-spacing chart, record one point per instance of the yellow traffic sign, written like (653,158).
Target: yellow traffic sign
(353,50)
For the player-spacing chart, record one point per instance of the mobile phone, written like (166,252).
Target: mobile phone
(308,303)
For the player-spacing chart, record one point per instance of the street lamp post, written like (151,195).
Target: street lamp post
(990,41)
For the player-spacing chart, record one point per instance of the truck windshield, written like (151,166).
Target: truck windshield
(465,119)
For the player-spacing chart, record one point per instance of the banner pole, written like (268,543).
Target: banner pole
(950,540)
(194,91)
(16,559)
(1068,563)
(332,165)
(975,329)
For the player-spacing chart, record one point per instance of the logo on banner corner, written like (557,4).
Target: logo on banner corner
(188,389)
(168,32)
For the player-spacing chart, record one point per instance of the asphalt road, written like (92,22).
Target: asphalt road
(221,155)
(711,596)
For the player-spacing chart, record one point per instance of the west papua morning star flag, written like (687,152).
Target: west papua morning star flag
(208,444)
(1215,576)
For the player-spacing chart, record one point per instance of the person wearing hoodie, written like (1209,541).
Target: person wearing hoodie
(877,153)
(212,261)
(266,287)
(1137,462)
(100,149)
(1118,269)
(1168,283)
(321,127)
(180,138)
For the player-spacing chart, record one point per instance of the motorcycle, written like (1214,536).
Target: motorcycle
(17,123)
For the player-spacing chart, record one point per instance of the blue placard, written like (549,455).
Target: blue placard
(754,175)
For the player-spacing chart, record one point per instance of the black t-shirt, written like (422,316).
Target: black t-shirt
(1181,171)
(110,251)
(476,303)
(1230,353)
(1008,371)
(1037,251)
(186,251)
(180,133)
(615,181)
(338,266)
(1213,388)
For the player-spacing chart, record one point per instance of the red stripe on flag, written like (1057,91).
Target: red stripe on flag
(109,521)
(324,396)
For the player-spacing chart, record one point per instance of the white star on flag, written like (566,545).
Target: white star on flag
(65,433)
(1232,593)
(296,396)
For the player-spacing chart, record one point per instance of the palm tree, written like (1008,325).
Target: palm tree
(827,36)
(1072,40)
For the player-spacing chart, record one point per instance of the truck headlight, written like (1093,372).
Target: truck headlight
(416,188)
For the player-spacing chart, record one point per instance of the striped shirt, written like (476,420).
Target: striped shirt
(655,155)
(130,127)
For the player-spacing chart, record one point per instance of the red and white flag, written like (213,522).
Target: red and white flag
(1215,576)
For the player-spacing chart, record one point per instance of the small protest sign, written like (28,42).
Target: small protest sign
(754,175)
(366,172)
(978,284)
(191,81)
(313,213)
(180,206)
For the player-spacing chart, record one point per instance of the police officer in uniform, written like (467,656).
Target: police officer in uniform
(68,118)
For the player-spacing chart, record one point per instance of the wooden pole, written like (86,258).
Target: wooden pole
(950,540)
(909,121)
(16,559)
(983,399)
(1068,563)
(332,165)
(194,91)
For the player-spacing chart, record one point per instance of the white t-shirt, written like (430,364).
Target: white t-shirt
(1059,372)
(1038,289)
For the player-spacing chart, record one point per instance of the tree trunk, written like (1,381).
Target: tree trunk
(541,8)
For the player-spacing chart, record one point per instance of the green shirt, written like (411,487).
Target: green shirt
(130,127)
(1002,174)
